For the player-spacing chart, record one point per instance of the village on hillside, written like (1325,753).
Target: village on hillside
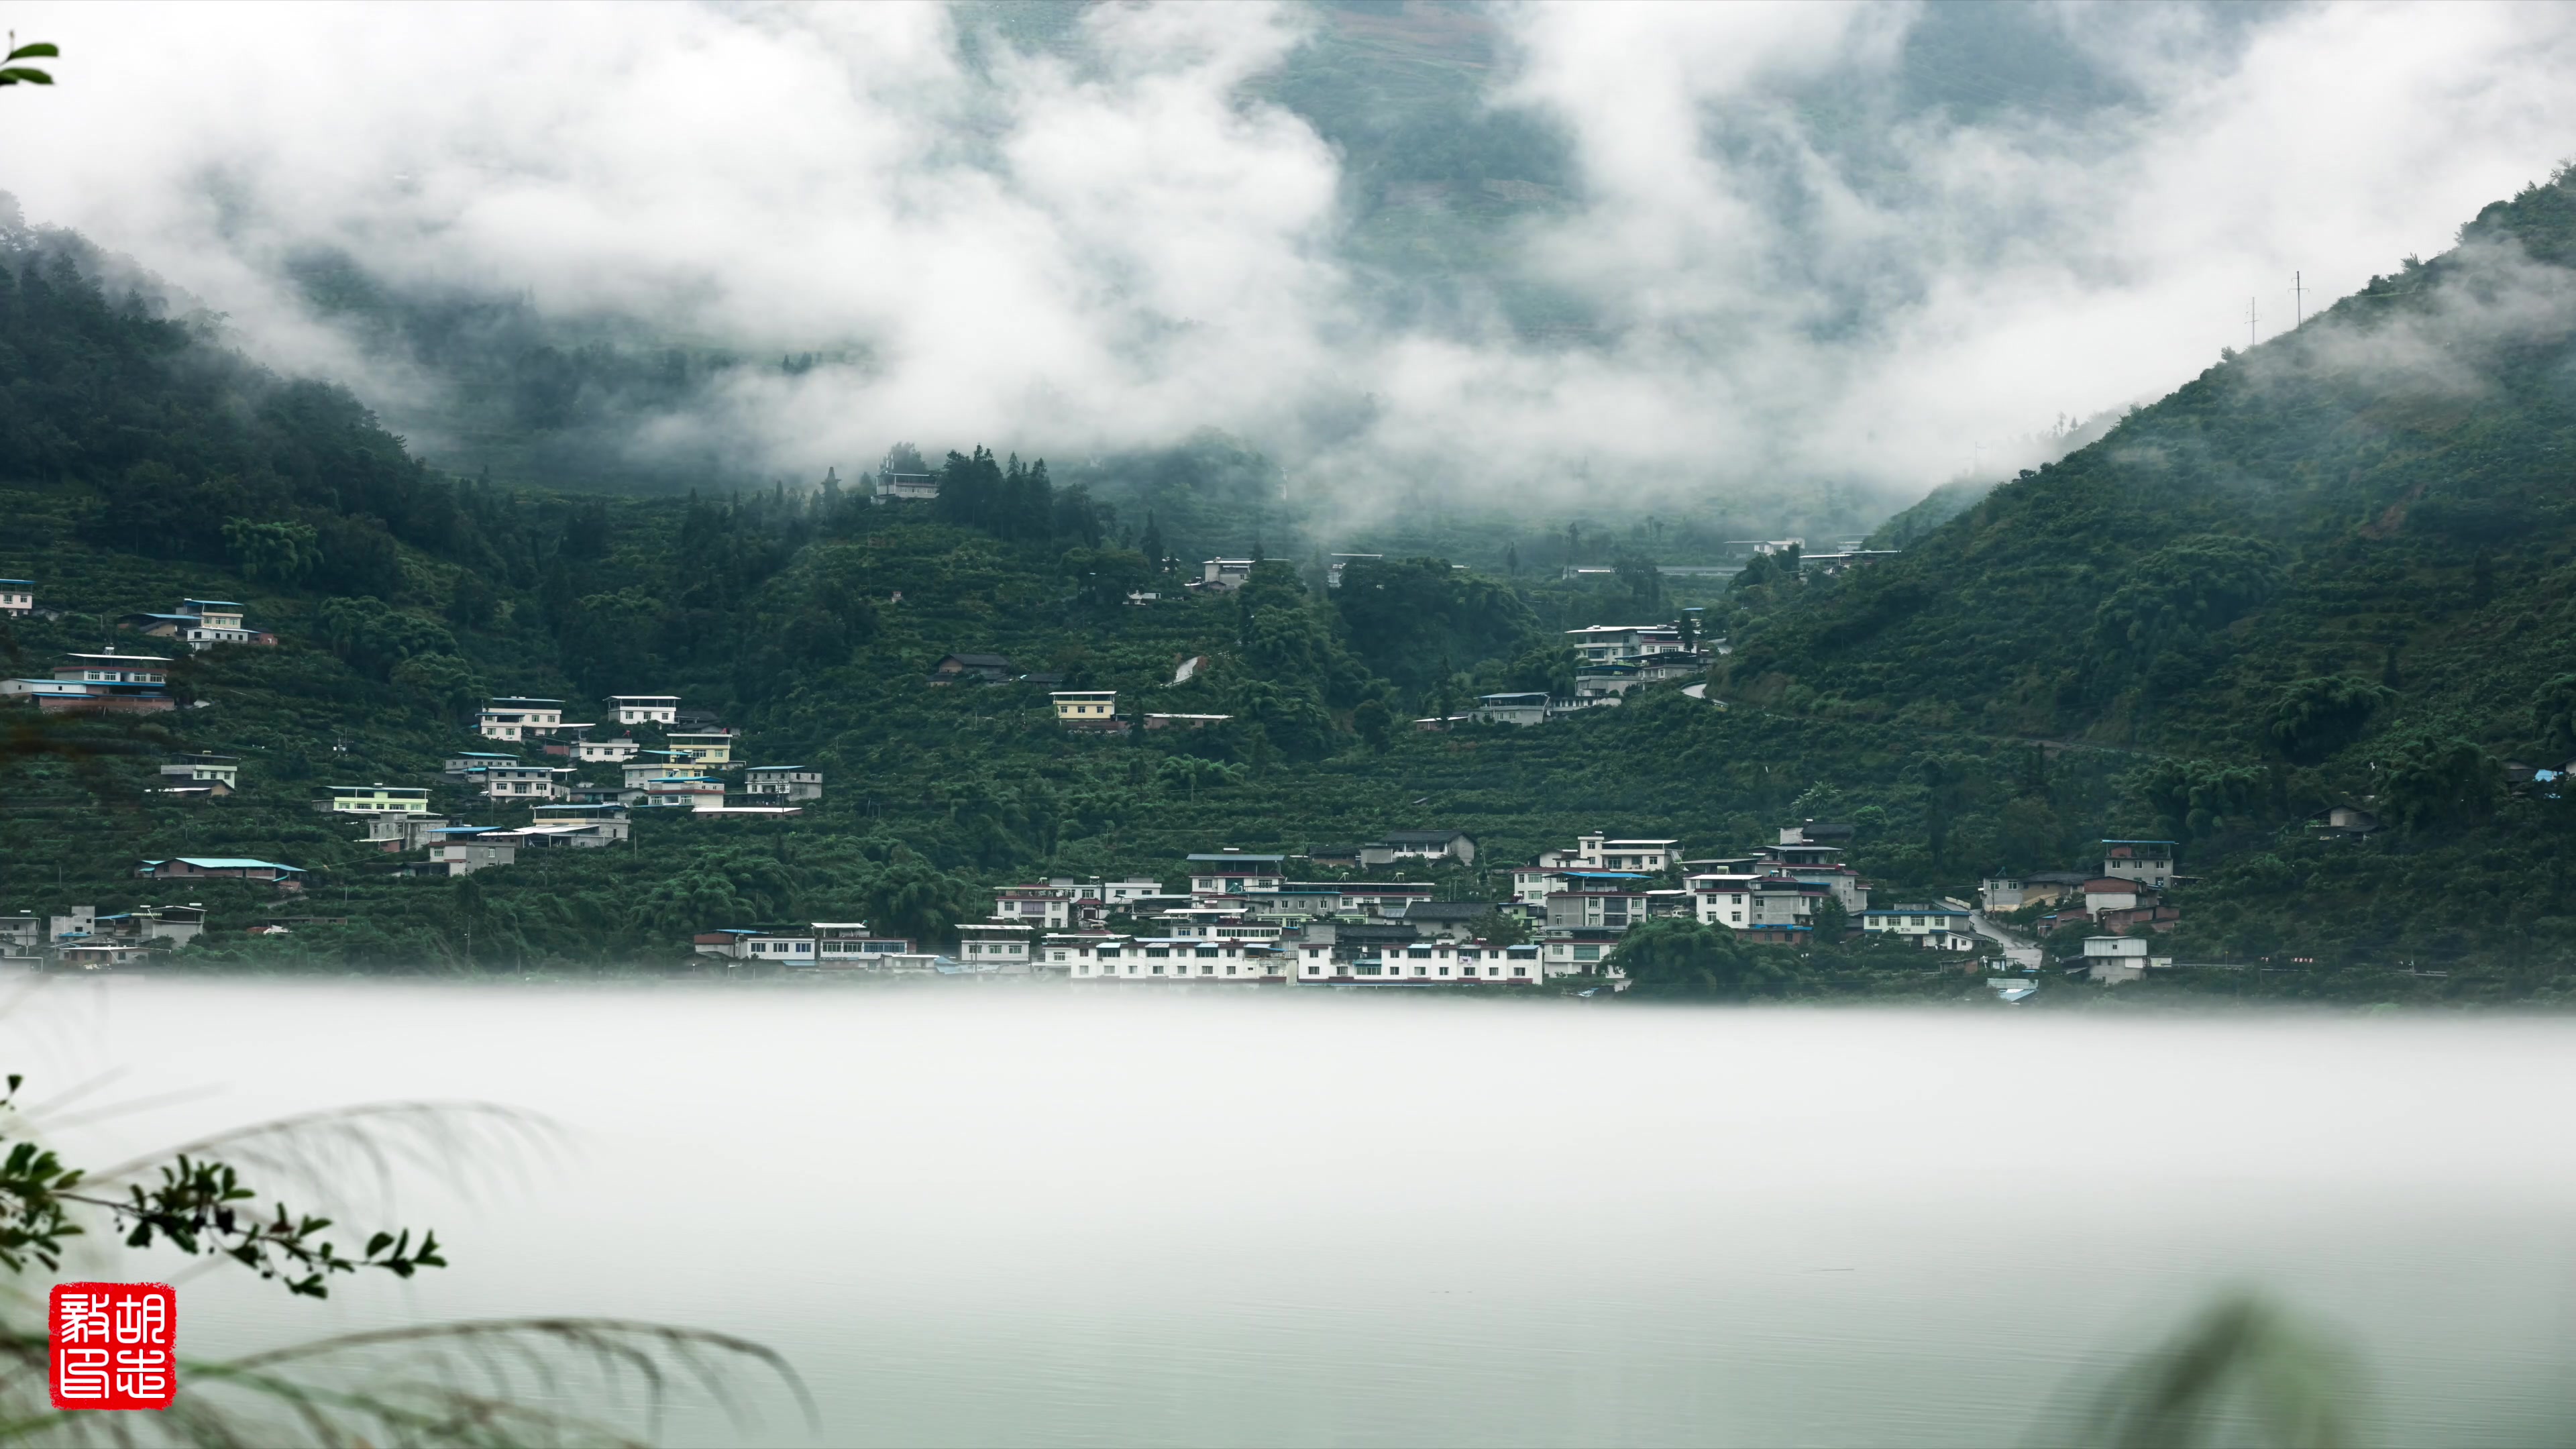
(1227,916)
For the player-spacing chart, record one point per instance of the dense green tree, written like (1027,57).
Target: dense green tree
(2313,718)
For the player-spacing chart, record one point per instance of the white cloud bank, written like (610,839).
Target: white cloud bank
(1063,255)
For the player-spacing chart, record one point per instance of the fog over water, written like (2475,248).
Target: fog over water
(973,1214)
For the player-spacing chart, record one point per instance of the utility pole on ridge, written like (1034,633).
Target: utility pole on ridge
(2249,322)
(2298,302)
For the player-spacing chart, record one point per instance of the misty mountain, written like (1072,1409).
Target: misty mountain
(2329,549)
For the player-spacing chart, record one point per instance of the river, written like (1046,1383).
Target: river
(987,1213)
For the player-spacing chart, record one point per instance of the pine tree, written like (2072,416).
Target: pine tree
(1153,542)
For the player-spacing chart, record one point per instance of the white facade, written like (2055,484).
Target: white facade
(852,944)
(997,945)
(17,596)
(1048,907)
(775,783)
(1619,643)
(221,770)
(517,782)
(683,792)
(636,709)
(521,719)
(1433,963)
(1934,928)
(1166,959)
(1225,574)
(2148,862)
(1602,852)
(608,752)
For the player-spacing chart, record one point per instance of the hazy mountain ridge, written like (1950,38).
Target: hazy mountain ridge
(2400,467)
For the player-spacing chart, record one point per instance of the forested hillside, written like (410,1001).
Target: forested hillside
(2340,567)
(2311,575)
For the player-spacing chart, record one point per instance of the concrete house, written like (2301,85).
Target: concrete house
(905,488)
(683,792)
(772,783)
(1431,963)
(109,681)
(223,770)
(637,709)
(1511,709)
(465,849)
(1086,708)
(1932,927)
(1224,575)
(849,944)
(608,824)
(1047,907)
(2147,862)
(1232,872)
(2114,893)
(1163,960)
(606,752)
(1009,946)
(704,749)
(1599,851)
(2114,959)
(17,596)
(1611,909)
(520,719)
(1444,918)
(516,781)
(199,624)
(1397,845)
(224,867)
(394,834)
(373,800)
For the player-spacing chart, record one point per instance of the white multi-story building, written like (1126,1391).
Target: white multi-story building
(17,596)
(2147,862)
(1233,873)
(852,944)
(1623,643)
(1597,851)
(683,792)
(1933,927)
(516,781)
(1433,963)
(771,784)
(997,944)
(1047,907)
(1225,574)
(1166,959)
(636,709)
(521,719)
(605,752)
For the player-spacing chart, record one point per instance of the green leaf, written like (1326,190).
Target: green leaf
(38,47)
(16,74)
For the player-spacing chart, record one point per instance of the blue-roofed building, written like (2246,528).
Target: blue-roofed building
(224,867)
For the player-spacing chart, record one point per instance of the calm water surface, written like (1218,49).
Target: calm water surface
(978,1215)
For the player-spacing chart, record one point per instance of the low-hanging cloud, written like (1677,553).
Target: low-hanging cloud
(1797,270)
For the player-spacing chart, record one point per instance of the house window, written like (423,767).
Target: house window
(1587,953)
(1367,968)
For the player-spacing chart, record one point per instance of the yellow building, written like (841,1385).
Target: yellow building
(710,748)
(374,800)
(1085,706)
